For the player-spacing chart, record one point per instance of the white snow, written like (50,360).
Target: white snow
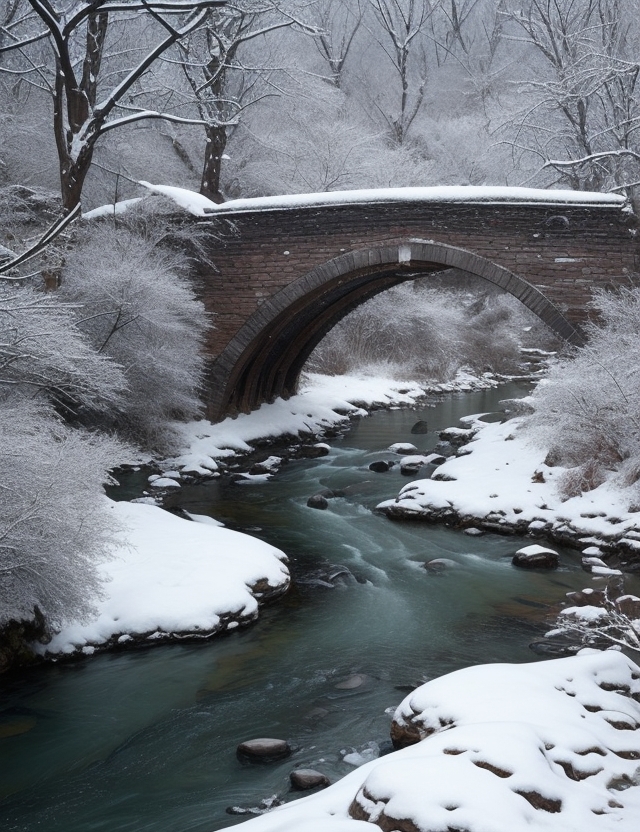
(172,576)
(201,206)
(505,737)
(502,477)
(191,201)
(534,549)
(111,209)
(323,402)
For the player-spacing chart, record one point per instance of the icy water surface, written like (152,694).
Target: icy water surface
(146,740)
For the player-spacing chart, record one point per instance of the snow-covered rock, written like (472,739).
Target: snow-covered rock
(544,747)
(536,557)
(503,484)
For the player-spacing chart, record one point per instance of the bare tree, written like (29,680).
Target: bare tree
(221,82)
(401,32)
(583,111)
(84,106)
(137,308)
(338,23)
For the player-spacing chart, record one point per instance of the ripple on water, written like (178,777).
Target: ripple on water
(146,740)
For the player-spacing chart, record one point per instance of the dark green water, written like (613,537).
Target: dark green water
(146,740)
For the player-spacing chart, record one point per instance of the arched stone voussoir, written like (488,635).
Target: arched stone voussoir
(253,366)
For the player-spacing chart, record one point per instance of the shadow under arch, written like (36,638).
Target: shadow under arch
(265,357)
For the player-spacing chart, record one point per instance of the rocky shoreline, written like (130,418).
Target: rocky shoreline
(585,529)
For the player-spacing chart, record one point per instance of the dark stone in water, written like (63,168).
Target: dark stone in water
(420,427)
(318,501)
(263,750)
(312,451)
(554,648)
(303,779)
(536,557)
(329,493)
(380,466)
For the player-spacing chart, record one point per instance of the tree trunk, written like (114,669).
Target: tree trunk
(216,144)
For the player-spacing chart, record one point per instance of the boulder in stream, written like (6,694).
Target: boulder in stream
(379,466)
(263,750)
(318,501)
(536,557)
(303,779)
(420,427)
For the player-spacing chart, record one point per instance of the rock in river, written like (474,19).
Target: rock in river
(420,427)
(380,466)
(263,750)
(318,501)
(307,778)
(536,557)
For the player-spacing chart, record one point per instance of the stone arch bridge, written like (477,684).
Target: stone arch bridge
(288,269)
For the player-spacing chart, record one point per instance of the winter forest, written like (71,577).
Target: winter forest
(102,330)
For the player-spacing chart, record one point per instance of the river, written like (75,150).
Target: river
(145,740)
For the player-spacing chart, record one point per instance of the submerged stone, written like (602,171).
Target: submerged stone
(420,427)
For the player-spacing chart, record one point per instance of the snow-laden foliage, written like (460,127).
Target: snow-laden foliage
(53,526)
(413,331)
(587,410)
(137,307)
(43,353)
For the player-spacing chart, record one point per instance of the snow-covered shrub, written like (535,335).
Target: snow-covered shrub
(137,307)
(43,354)
(426,333)
(587,411)
(53,526)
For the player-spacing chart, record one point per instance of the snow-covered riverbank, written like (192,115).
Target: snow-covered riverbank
(172,579)
(323,403)
(498,748)
(500,482)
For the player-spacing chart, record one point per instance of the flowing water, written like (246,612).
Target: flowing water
(145,740)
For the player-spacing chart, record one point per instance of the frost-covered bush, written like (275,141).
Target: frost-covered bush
(587,411)
(44,355)
(137,306)
(418,332)
(53,526)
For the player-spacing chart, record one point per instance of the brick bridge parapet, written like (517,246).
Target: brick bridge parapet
(284,276)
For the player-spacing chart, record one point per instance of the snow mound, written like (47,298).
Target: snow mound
(543,747)
(173,578)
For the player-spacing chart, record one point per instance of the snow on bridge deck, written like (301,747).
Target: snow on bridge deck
(470,194)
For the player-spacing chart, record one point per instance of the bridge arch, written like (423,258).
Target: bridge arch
(265,358)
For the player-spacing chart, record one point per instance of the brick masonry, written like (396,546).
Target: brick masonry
(282,278)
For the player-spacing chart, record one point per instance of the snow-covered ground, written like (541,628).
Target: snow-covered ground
(174,578)
(323,402)
(501,480)
(503,748)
